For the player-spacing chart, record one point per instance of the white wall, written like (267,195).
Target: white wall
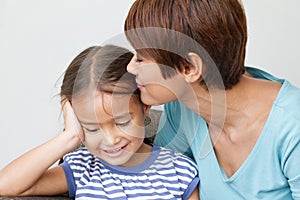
(38,39)
(274,43)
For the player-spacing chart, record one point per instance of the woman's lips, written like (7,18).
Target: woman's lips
(140,86)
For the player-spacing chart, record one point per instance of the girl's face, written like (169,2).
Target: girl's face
(156,90)
(113,127)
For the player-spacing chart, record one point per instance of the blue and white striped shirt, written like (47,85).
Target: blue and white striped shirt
(164,175)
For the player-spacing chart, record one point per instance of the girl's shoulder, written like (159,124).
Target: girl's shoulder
(80,156)
(176,160)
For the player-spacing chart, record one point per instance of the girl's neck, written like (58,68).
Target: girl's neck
(140,156)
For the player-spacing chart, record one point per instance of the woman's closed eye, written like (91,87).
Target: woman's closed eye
(138,60)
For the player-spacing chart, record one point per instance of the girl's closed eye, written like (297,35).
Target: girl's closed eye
(91,130)
(123,123)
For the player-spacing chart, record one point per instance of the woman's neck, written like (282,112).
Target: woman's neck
(233,107)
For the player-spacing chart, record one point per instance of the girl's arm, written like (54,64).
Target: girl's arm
(30,174)
(195,195)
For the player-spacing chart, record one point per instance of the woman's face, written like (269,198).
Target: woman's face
(113,126)
(155,90)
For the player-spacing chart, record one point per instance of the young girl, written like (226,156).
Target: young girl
(102,109)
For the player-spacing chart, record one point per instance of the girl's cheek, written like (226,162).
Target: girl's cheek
(92,141)
(134,130)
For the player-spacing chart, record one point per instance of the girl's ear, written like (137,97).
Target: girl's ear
(192,72)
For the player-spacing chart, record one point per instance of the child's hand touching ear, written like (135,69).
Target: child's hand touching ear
(72,125)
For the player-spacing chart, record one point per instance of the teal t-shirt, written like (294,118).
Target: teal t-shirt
(272,169)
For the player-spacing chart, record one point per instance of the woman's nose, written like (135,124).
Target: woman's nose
(132,66)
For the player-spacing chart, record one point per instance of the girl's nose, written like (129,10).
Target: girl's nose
(111,138)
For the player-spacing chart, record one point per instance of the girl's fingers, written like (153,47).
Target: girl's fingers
(70,119)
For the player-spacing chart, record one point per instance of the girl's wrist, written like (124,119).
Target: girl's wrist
(70,141)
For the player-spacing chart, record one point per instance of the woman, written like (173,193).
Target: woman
(241,125)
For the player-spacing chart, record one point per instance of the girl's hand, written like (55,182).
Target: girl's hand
(72,125)
(30,175)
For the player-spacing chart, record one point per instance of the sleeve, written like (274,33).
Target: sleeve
(187,174)
(74,166)
(291,165)
(192,186)
(169,132)
(70,178)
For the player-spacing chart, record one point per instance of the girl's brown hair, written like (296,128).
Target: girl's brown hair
(100,68)
(219,26)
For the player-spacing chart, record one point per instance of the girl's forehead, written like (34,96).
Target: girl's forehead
(116,103)
(105,103)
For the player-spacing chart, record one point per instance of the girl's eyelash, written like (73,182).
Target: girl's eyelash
(96,129)
(123,124)
(91,130)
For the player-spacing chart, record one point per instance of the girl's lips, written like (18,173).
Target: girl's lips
(115,152)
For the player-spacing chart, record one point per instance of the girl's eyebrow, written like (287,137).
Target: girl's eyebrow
(88,123)
(125,115)
(122,116)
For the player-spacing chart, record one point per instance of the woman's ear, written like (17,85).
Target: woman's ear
(192,72)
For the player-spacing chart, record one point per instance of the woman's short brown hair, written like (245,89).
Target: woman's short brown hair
(218,26)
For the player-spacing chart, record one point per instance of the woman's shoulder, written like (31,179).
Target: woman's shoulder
(288,102)
(288,98)
(284,119)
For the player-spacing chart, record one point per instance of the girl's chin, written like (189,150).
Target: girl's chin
(119,158)
(118,162)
